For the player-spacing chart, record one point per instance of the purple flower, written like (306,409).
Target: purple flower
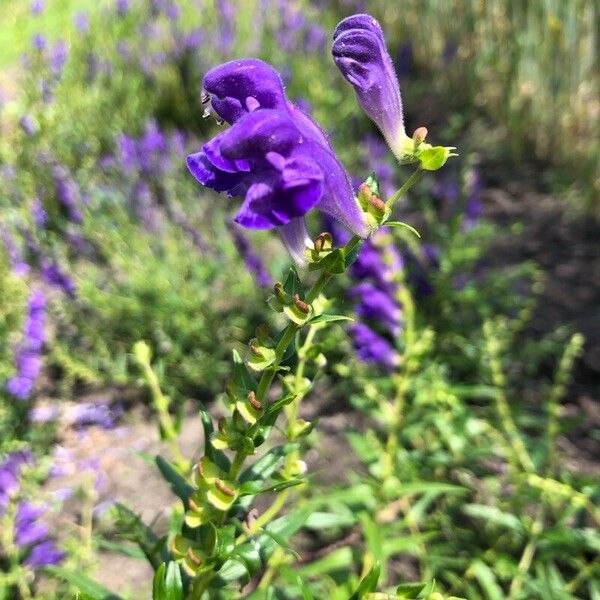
(28,125)
(226,15)
(44,414)
(37,6)
(38,41)
(58,56)
(90,414)
(251,258)
(44,554)
(27,357)
(10,471)
(81,22)
(18,264)
(40,216)
(273,155)
(54,275)
(122,7)
(371,347)
(378,305)
(67,194)
(360,53)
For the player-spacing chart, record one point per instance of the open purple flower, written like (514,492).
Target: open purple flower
(360,54)
(273,155)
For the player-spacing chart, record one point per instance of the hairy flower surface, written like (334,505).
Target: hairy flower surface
(273,155)
(360,53)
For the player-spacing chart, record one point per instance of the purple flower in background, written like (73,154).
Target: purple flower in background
(315,38)
(473,207)
(28,354)
(44,554)
(18,264)
(122,7)
(40,216)
(28,125)
(360,54)
(90,414)
(54,275)
(251,258)
(58,56)
(10,471)
(81,22)
(37,7)
(372,348)
(273,155)
(44,414)
(226,14)
(376,292)
(67,194)
(38,41)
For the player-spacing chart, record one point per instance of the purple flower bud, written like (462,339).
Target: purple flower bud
(360,54)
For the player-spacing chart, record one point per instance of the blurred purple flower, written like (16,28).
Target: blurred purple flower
(17,263)
(28,125)
(28,354)
(67,194)
(38,41)
(37,7)
(58,56)
(122,7)
(40,216)
(251,258)
(373,348)
(90,414)
(44,414)
(81,22)
(10,470)
(54,275)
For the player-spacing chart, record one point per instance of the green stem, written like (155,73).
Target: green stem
(414,178)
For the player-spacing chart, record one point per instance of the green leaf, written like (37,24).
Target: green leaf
(83,583)
(338,559)
(325,520)
(178,484)
(292,284)
(329,319)
(266,465)
(428,487)
(404,225)
(352,255)
(491,514)
(254,488)
(120,548)
(487,580)
(334,262)
(408,591)
(368,584)
(241,376)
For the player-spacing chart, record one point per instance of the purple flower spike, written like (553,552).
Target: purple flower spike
(360,54)
(274,156)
